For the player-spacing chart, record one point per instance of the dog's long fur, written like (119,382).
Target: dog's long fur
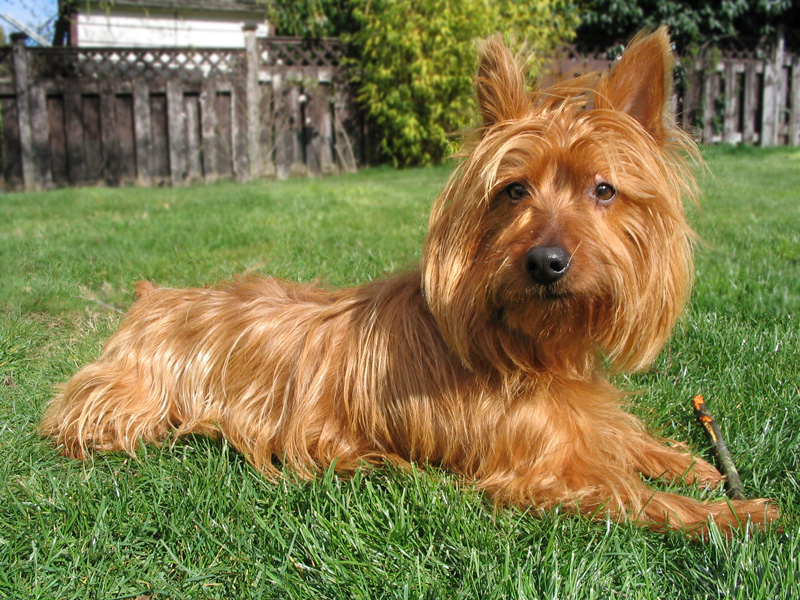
(469,362)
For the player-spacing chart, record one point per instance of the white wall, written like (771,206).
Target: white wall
(103,29)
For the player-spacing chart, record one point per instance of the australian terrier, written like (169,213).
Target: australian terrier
(558,253)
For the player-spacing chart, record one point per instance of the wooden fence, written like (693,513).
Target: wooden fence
(76,116)
(746,96)
(733,95)
(281,107)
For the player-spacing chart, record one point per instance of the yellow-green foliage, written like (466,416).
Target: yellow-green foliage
(418,59)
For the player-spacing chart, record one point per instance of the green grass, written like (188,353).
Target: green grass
(195,521)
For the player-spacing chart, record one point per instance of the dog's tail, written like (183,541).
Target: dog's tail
(130,394)
(144,289)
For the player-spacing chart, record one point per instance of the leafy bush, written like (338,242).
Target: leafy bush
(311,19)
(691,22)
(417,59)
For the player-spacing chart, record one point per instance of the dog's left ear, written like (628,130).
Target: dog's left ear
(500,83)
(641,82)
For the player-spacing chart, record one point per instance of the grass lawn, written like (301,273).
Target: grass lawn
(195,521)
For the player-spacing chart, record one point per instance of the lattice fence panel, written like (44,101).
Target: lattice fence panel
(292,52)
(132,63)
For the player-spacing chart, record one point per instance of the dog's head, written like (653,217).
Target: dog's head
(562,233)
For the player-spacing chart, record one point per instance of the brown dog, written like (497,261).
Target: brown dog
(559,241)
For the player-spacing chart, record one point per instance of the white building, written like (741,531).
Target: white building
(165,23)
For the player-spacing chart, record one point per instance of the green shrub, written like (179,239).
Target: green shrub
(311,19)
(417,59)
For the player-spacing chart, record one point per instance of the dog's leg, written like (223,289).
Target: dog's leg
(624,496)
(591,463)
(633,499)
(606,492)
(674,463)
(661,510)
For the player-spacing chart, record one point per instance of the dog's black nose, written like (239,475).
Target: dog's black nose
(547,264)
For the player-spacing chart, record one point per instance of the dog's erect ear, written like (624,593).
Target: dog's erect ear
(641,82)
(500,83)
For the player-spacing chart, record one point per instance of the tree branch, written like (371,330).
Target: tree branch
(733,484)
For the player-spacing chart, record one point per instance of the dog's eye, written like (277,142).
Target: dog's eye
(516,192)
(604,192)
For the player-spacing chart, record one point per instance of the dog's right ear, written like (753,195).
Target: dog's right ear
(500,83)
(640,84)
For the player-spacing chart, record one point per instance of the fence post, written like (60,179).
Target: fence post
(750,102)
(109,137)
(782,85)
(253,120)
(73,105)
(208,129)
(24,111)
(280,115)
(346,133)
(794,116)
(176,125)
(709,99)
(773,72)
(732,107)
(142,127)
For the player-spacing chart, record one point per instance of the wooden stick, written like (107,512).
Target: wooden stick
(733,484)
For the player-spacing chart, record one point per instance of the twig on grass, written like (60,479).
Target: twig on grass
(103,304)
(733,484)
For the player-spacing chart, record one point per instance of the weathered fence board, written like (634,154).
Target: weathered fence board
(223,134)
(159,138)
(75,116)
(11,149)
(208,126)
(142,133)
(73,134)
(752,92)
(794,113)
(92,144)
(24,114)
(58,139)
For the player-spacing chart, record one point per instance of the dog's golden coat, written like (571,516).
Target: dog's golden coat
(468,362)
